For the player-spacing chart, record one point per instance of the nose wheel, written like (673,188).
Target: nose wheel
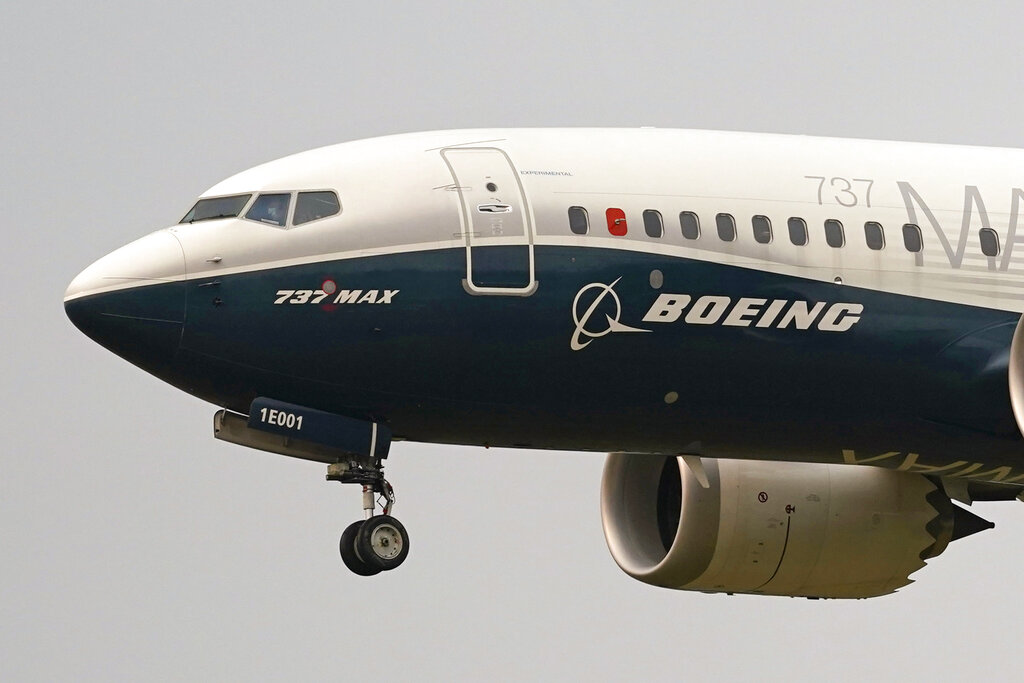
(379,542)
(347,547)
(374,545)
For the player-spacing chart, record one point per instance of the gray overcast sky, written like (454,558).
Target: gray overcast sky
(135,546)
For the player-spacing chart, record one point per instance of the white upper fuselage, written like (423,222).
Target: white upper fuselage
(397,194)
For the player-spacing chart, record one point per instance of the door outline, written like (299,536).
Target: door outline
(466,224)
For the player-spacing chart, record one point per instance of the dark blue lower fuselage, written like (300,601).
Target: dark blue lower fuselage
(442,365)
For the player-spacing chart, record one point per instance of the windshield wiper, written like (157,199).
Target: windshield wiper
(210,218)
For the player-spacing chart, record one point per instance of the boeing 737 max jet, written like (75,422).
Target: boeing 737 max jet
(803,354)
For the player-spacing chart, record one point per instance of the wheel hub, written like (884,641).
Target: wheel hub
(386,542)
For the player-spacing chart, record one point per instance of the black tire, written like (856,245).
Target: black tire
(382,542)
(349,554)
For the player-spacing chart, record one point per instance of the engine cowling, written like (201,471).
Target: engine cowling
(1016,374)
(773,528)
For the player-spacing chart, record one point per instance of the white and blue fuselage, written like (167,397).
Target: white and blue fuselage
(734,295)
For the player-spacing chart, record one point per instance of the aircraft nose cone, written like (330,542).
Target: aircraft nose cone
(132,301)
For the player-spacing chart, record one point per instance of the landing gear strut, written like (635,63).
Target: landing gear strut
(378,542)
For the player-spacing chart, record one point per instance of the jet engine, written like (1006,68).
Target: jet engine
(774,528)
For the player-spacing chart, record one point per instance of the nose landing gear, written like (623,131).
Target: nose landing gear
(356,448)
(378,542)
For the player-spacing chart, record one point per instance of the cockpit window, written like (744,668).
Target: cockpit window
(270,208)
(313,205)
(217,207)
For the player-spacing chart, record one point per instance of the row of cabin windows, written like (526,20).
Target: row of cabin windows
(725,225)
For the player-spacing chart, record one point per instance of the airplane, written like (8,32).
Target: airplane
(802,356)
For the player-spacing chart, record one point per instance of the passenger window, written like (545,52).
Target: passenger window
(726,225)
(311,206)
(616,222)
(797,231)
(689,224)
(989,242)
(579,221)
(912,238)
(834,236)
(873,235)
(653,225)
(762,229)
(270,208)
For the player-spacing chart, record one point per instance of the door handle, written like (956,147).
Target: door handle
(494,208)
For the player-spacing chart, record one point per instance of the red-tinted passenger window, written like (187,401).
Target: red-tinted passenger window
(616,221)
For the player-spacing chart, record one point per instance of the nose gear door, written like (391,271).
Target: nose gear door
(495,220)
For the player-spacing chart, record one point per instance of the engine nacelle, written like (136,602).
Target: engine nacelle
(773,528)
(1016,374)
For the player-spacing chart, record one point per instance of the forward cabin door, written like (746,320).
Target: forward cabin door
(495,220)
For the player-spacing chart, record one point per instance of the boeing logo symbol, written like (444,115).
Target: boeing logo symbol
(581,321)
(709,309)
